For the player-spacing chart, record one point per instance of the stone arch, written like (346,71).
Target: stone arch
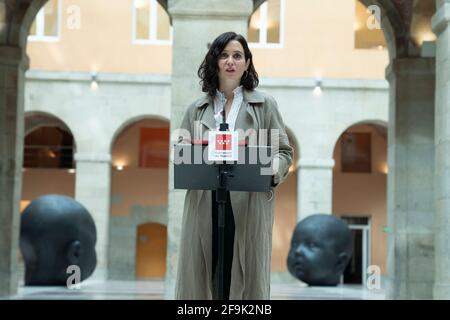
(40,178)
(38,119)
(19,16)
(35,119)
(128,122)
(360,195)
(394,29)
(131,209)
(374,122)
(380,126)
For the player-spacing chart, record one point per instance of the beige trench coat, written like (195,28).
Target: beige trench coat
(253,211)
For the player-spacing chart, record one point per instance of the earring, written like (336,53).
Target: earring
(245,75)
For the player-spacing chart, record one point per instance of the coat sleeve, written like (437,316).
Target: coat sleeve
(283,153)
(184,132)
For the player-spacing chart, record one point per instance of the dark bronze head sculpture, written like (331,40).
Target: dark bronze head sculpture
(321,248)
(56,232)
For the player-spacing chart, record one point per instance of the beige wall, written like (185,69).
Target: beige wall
(318,42)
(285,221)
(103,43)
(134,185)
(143,187)
(364,194)
(39,182)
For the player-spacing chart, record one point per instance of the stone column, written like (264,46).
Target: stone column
(410,198)
(13,63)
(441,28)
(195,24)
(315,187)
(93,190)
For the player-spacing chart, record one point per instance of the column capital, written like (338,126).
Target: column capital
(441,19)
(92,157)
(315,163)
(14,56)
(417,66)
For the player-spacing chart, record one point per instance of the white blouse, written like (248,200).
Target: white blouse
(219,104)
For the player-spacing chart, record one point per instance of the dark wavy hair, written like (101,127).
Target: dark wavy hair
(209,70)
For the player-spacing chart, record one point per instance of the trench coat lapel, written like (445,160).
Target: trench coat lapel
(246,118)
(208,117)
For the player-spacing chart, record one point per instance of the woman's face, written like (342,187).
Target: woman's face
(232,63)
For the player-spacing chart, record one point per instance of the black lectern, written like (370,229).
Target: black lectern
(251,172)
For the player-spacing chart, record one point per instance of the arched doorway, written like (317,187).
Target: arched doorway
(359,195)
(139,195)
(151,250)
(48,162)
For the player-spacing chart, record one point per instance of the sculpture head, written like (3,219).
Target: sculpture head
(321,248)
(56,232)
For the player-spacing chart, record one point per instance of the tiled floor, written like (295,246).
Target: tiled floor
(154,290)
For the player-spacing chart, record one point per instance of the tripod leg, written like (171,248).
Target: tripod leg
(221,245)
(218,247)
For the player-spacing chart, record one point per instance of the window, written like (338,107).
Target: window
(46,25)
(368,32)
(266,25)
(151,23)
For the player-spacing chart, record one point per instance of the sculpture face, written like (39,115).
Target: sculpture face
(56,232)
(320,250)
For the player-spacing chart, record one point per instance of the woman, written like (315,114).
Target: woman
(229,79)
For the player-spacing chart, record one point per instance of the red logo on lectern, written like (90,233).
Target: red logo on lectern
(223,141)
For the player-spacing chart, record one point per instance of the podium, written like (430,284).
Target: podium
(250,173)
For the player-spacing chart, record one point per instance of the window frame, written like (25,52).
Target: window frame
(263,28)
(152,26)
(40,26)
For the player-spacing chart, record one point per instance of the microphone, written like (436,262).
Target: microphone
(224,125)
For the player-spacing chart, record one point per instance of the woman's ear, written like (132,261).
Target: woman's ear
(74,252)
(247,64)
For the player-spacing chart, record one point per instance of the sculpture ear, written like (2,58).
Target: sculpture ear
(74,252)
(341,262)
